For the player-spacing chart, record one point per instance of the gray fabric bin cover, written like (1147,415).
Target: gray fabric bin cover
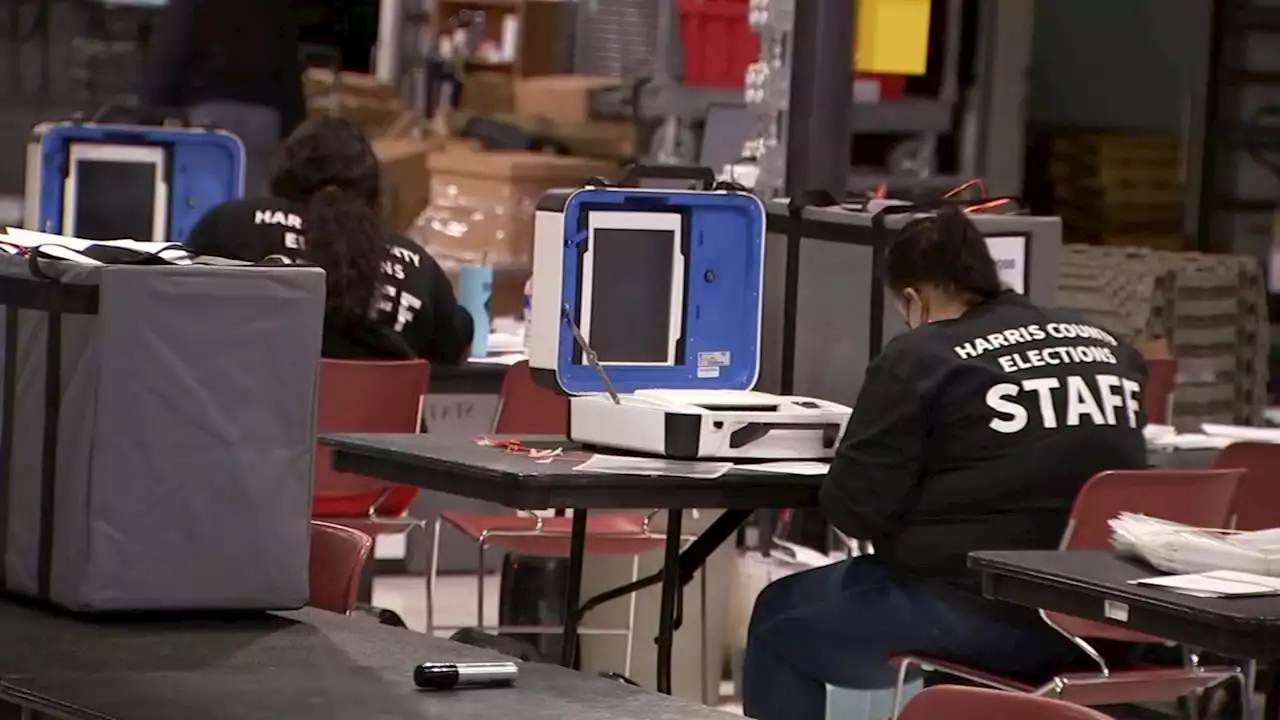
(179,473)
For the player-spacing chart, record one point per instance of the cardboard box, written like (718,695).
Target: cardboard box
(363,99)
(487,93)
(560,98)
(406,186)
(482,202)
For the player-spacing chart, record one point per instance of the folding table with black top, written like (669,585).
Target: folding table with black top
(516,480)
(306,664)
(1095,585)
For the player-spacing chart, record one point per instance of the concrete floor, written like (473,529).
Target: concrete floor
(456,606)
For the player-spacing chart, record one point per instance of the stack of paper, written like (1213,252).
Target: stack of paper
(1178,548)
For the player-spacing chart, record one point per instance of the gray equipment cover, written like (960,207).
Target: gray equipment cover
(167,462)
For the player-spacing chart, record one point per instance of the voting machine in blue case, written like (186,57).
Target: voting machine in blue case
(109,182)
(646,311)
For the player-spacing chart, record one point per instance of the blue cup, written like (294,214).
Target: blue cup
(475,290)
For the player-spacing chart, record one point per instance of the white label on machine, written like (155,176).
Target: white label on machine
(715,358)
(708,372)
(1010,254)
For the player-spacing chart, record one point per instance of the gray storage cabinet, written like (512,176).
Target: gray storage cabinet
(157,439)
(834,311)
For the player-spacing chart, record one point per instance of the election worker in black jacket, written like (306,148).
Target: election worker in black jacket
(974,430)
(386,297)
(233,64)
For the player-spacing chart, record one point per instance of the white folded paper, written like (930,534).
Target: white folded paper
(71,249)
(789,467)
(1216,584)
(1242,433)
(626,465)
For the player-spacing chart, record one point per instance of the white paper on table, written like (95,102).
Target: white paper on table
(1190,441)
(49,244)
(1241,432)
(627,465)
(790,467)
(500,342)
(1216,583)
(503,359)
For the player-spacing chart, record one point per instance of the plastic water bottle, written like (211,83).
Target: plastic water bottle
(528,312)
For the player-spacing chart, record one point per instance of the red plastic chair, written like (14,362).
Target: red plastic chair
(956,702)
(1257,501)
(370,396)
(338,554)
(1200,498)
(1162,377)
(525,408)
(365,396)
(1256,505)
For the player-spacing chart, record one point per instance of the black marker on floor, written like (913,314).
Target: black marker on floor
(448,676)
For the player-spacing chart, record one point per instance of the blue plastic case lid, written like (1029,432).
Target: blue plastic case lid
(722,242)
(206,168)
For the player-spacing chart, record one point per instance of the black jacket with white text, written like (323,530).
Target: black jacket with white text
(977,433)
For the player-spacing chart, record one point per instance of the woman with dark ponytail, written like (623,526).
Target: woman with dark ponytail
(973,430)
(386,297)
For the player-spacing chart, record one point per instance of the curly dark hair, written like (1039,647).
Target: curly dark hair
(946,250)
(328,164)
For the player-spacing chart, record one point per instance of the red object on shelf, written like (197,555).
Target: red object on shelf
(892,87)
(719,45)
(718,42)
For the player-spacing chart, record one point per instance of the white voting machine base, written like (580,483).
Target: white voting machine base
(646,311)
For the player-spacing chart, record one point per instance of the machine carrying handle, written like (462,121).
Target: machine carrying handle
(123,114)
(637,173)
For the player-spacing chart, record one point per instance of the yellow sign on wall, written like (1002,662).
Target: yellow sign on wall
(892,36)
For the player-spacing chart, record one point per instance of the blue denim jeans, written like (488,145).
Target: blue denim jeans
(839,624)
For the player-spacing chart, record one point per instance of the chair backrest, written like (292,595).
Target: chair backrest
(1257,501)
(958,702)
(1157,396)
(338,555)
(364,396)
(526,408)
(1200,498)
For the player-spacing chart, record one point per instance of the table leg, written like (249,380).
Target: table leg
(690,561)
(364,591)
(671,587)
(577,551)
(1271,711)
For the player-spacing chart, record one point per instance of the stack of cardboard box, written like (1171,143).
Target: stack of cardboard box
(1210,309)
(482,206)
(395,131)
(470,206)
(558,107)
(363,99)
(1119,188)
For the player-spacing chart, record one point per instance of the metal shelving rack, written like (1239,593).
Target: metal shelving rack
(769,91)
(1240,164)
